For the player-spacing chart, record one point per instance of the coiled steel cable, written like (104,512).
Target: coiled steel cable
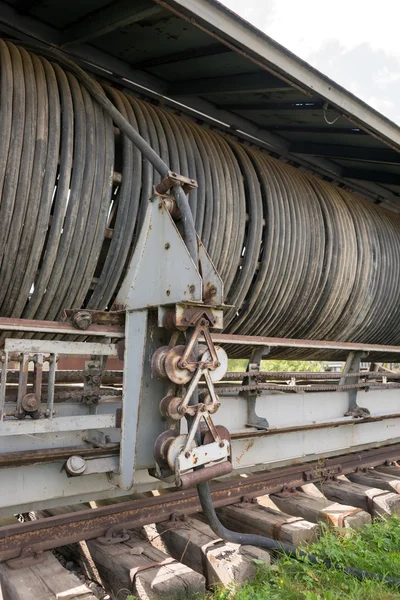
(299,256)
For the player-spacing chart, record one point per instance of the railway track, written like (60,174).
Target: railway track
(285,504)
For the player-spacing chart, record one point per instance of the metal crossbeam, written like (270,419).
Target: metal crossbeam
(371,175)
(364,153)
(108,19)
(245,82)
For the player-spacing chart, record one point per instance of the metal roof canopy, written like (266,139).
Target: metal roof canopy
(200,57)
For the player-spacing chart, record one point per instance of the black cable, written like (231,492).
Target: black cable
(269,544)
(299,256)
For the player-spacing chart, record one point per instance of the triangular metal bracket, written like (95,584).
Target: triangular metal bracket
(161,270)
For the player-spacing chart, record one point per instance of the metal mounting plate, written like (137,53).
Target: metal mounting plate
(161,270)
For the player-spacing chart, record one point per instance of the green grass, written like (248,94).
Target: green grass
(375,548)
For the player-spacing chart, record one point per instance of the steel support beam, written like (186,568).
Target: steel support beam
(273,106)
(376,176)
(326,129)
(108,19)
(200,52)
(245,82)
(375,155)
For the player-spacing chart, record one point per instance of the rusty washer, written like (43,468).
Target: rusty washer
(30,403)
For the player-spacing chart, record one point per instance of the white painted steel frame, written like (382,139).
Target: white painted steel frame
(47,485)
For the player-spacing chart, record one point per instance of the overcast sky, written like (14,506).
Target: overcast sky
(354,42)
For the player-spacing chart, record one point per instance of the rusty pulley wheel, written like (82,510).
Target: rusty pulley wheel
(161,446)
(178,374)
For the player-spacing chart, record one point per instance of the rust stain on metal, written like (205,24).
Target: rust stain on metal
(40,326)
(249,445)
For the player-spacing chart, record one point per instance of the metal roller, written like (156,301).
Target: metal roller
(299,257)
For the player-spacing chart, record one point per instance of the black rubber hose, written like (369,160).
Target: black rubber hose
(97,93)
(299,256)
(269,544)
(124,221)
(61,195)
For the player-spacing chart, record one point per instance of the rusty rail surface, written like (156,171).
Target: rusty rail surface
(45,455)
(33,325)
(117,331)
(271,342)
(52,532)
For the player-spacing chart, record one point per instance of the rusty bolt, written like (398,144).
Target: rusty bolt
(218,364)
(167,246)
(221,444)
(187,454)
(192,288)
(160,205)
(184,364)
(168,292)
(82,319)
(213,290)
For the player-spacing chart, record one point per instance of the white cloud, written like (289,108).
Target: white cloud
(304,26)
(355,42)
(386,77)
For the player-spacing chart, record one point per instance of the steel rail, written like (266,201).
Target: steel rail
(39,326)
(275,342)
(52,532)
(355,421)
(45,455)
(304,388)
(300,375)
